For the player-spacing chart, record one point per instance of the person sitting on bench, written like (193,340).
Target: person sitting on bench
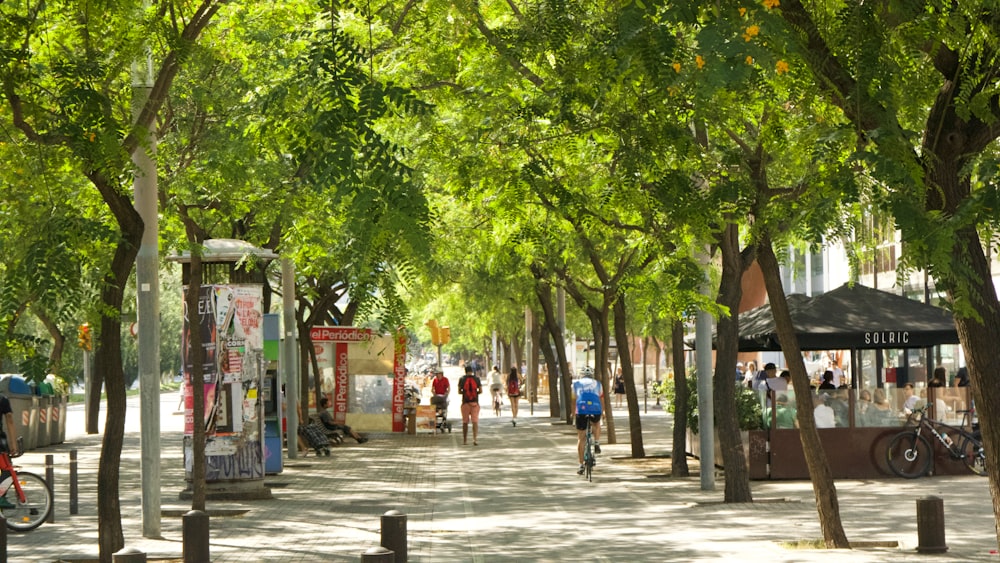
(327,420)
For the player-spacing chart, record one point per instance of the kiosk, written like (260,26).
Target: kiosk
(230,313)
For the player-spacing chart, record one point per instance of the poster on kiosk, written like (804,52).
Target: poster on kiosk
(363,374)
(232,335)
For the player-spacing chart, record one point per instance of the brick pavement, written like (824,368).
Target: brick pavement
(515,497)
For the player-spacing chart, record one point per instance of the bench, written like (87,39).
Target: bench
(336,436)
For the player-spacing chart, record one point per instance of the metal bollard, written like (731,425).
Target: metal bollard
(378,555)
(128,555)
(930,525)
(50,478)
(394,534)
(3,538)
(195,537)
(74,491)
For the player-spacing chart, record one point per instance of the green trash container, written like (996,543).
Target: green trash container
(44,420)
(25,407)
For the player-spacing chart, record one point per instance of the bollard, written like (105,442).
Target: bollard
(50,478)
(394,534)
(128,555)
(930,525)
(74,505)
(195,537)
(378,555)
(3,538)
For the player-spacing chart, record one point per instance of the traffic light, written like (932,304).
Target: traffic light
(445,334)
(435,332)
(83,337)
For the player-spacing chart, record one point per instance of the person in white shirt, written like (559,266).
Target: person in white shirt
(824,415)
(909,398)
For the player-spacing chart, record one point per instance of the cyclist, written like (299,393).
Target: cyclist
(587,406)
(8,439)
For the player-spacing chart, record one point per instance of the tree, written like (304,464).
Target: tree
(916,82)
(75,97)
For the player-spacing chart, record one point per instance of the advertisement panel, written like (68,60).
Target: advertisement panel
(232,335)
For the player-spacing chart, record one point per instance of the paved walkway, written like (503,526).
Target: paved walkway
(515,497)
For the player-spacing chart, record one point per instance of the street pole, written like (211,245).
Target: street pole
(289,362)
(706,412)
(147,278)
(529,353)
(561,317)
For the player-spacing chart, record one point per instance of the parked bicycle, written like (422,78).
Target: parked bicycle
(28,503)
(910,453)
(589,457)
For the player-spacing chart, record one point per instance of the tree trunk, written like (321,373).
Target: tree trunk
(58,340)
(678,455)
(196,351)
(819,469)
(544,292)
(979,340)
(625,361)
(724,383)
(545,343)
(108,361)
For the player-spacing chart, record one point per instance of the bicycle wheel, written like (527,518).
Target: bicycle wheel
(909,455)
(973,455)
(36,507)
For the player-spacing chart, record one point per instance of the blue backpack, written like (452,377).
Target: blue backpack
(588,401)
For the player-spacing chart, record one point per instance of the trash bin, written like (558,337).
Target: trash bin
(59,414)
(25,407)
(44,420)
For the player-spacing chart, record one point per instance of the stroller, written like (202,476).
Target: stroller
(440,403)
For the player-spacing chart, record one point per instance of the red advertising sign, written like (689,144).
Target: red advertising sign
(399,379)
(340,334)
(341,382)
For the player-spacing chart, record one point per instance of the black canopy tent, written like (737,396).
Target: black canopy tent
(851,318)
(847,318)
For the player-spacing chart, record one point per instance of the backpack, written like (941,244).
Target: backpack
(588,401)
(513,386)
(470,390)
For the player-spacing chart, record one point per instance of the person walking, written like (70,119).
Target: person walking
(619,387)
(470,388)
(496,389)
(587,406)
(513,392)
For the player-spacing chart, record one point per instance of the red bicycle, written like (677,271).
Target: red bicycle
(27,503)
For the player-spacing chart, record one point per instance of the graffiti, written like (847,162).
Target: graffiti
(246,462)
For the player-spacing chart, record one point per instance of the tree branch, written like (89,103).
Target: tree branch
(504,50)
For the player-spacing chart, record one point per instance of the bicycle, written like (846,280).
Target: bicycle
(910,453)
(589,459)
(32,499)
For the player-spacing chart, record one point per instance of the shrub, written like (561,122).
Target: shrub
(749,412)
